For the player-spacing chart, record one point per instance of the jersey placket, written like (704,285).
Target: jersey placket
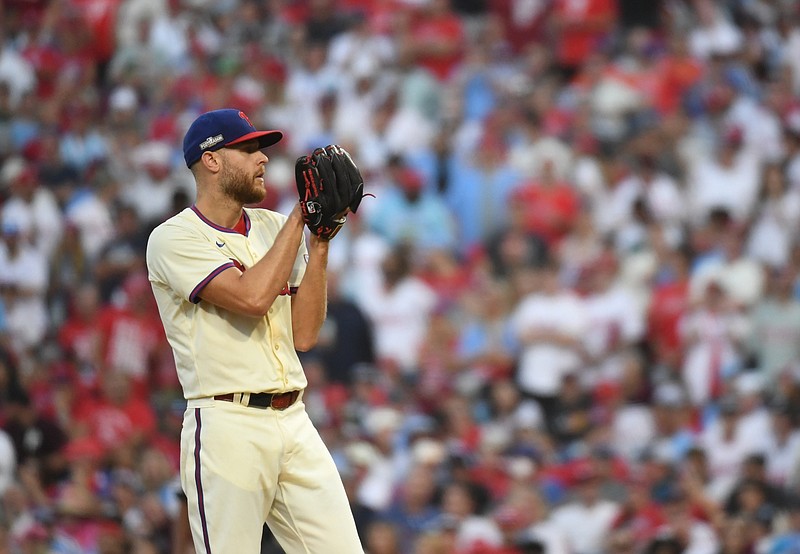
(274,344)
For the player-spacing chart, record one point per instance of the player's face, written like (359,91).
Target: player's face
(242,175)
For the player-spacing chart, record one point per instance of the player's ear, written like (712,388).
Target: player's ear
(211,160)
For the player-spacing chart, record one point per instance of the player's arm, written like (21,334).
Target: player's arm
(253,291)
(309,304)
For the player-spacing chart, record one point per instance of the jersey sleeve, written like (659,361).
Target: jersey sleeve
(183,261)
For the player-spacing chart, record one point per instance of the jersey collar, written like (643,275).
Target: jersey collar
(220,228)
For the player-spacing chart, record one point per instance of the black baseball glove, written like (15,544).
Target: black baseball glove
(330,185)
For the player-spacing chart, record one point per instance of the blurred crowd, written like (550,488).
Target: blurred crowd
(568,322)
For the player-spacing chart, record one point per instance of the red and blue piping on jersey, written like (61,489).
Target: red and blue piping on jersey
(198,481)
(194,297)
(220,228)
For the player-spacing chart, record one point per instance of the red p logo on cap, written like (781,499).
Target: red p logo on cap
(244,116)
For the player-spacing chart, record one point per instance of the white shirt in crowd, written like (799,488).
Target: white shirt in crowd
(725,456)
(8,462)
(712,185)
(613,315)
(632,430)
(543,365)
(400,316)
(594,523)
(713,350)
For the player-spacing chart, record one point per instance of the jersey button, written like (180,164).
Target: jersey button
(277,347)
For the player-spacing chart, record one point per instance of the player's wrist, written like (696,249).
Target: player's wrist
(318,243)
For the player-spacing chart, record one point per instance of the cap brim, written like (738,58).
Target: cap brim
(265,138)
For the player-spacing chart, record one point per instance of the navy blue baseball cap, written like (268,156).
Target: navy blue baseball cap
(219,128)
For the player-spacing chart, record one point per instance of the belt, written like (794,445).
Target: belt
(277,401)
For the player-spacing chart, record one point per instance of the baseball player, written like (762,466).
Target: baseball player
(238,292)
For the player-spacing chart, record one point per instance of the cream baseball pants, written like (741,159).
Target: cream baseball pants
(242,466)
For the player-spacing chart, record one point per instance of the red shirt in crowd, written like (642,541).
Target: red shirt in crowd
(438,41)
(116,424)
(550,210)
(677,76)
(132,342)
(101,18)
(524,21)
(583,26)
(668,304)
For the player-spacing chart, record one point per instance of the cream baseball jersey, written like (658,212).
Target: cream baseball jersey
(218,351)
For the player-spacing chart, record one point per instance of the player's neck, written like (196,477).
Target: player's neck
(224,213)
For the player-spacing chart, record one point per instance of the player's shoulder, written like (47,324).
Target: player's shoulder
(177,224)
